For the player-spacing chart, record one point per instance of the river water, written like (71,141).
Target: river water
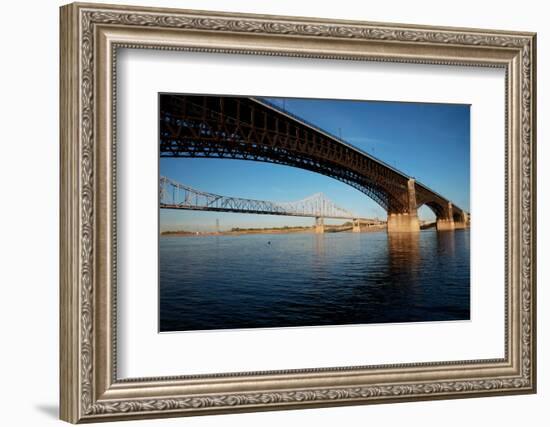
(278,280)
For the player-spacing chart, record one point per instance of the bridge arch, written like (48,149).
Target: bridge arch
(436,208)
(443,210)
(246,129)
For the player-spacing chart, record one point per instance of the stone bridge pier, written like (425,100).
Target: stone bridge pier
(447,222)
(319,225)
(449,217)
(461,221)
(453,220)
(405,222)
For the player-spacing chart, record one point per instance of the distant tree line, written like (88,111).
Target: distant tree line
(286,227)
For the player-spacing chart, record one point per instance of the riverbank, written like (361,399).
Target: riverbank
(285,230)
(239,232)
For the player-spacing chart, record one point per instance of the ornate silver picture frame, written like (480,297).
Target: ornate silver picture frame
(91,36)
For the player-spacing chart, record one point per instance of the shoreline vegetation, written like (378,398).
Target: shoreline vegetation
(267,230)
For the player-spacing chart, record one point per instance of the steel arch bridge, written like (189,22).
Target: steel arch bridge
(245,128)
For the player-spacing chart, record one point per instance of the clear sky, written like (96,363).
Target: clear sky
(430,142)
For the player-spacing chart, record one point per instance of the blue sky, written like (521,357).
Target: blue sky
(430,142)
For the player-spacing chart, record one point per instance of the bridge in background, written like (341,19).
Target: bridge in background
(174,195)
(247,128)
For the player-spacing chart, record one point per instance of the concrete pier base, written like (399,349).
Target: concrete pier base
(319,225)
(464,221)
(356,226)
(403,223)
(445,224)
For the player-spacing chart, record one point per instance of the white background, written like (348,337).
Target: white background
(29,173)
(145,353)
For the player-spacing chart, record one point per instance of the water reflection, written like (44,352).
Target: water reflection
(404,253)
(446,242)
(319,245)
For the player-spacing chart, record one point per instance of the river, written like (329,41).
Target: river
(306,279)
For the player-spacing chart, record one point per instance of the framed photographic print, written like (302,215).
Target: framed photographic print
(266,212)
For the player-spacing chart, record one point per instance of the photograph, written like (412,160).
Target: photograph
(290,212)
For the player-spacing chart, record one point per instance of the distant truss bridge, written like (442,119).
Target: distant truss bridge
(174,195)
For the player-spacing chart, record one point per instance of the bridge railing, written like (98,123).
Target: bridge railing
(327,133)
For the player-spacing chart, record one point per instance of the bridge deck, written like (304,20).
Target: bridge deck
(260,212)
